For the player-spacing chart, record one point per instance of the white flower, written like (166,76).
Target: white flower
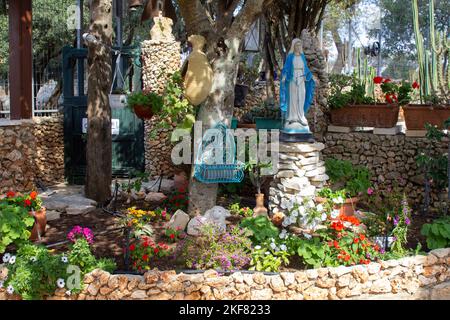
(283,247)
(257,247)
(273,246)
(339,200)
(323,217)
(319,207)
(335,214)
(307,236)
(302,210)
(60,283)
(311,204)
(267,253)
(6,257)
(10,289)
(68,293)
(294,213)
(12,260)
(33,259)
(283,234)
(285,222)
(64,259)
(290,205)
(1,284)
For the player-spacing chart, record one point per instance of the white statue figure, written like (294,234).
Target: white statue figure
(297,90)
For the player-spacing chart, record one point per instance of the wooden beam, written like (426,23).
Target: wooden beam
(20,59)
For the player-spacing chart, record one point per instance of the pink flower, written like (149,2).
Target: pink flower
(369,191)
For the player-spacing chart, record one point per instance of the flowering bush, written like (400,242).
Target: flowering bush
(218,250)
(178,200)
(78,232)
(174,234)
(306,214)
(31,201)
(394,92)
(401,221)
(245,212)
(145,250)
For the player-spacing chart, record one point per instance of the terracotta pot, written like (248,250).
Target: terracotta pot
(348,208)
(260,210)
(40,224)
(378,116)
(143,112)
(417,115)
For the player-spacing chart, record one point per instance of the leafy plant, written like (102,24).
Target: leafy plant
(342,173)
(437,233)
(15,225)
(312,252)
(177,200)
(401,221)
(214,249)
(135,181)
(29,201)
(261,229)
(145,251)
(149,100)
(266,259)
(173,235)
(236,209)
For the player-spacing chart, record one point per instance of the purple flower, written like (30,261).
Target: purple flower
(407,221)
(396,220)
(369,191)
(78,232)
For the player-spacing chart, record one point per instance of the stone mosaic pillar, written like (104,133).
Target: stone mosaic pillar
(301,173)
(160,59)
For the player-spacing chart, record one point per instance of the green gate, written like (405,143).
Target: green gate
(128,130)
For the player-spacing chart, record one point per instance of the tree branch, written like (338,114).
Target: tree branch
(195,17)
(246,17)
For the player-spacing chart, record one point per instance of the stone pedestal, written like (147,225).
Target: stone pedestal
(301,173)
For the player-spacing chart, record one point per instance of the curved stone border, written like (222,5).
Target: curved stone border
(418,277)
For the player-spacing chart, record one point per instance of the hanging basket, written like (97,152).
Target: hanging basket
(226,172)
(143,112)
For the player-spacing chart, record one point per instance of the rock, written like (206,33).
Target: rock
(277,284)
(263,294)
(179,220)
(52,215)
(314,293)
(312,274)
(381,286)
(155,197)
(441,253)
(194,226)
(139,295)
(339,271)
(374,268)
(80,209)
(218,215)
(295,183)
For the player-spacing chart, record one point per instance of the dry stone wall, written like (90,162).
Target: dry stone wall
(391,159)
(418,277)
(159,59)
(31,150)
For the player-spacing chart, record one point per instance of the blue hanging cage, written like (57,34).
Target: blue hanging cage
(216,159)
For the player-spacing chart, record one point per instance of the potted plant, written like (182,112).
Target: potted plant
(258,180)
(145,104)
(32,203)
(351,105)
(434,107)
(354,180)
(265,116)
(118,98)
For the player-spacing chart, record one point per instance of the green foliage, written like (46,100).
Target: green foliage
(313,252)
(236,209)
(145,99)
(15,225)
(355,179)
(347,90)
(135,182)
(437,233)
(266,260)
(35,272)
(261,229)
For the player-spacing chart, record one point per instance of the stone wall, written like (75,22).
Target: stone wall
(391,159)
(160,59)
(31,150)
(419,277)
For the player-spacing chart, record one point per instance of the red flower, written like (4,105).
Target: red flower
(156,250)
(33,195)
(387,80)
(172,236)
(415,85)
(10,194)
(145,244)
(132,247)
(336,244)
(347,257)
(27,203)
(337,225)
(356,240)
(388,98)
(378,80)
(362,237)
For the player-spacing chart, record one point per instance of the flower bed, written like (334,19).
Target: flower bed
(418,277)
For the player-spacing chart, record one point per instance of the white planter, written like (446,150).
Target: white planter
(381,241)
(118,100)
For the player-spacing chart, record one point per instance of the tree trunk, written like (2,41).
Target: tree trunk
(99,141)
(340,61)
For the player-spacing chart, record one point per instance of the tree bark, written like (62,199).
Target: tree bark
(99,140)
(340,61)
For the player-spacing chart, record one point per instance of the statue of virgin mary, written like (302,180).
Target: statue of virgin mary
(297,91)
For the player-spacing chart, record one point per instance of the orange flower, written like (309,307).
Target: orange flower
(33,195)
(337,225)
(362,237)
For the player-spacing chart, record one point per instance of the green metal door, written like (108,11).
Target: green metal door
(128,130)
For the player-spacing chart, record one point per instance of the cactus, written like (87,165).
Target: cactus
(365,74)
(434,73)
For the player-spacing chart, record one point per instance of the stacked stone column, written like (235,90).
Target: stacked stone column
(301,173)
(160,59)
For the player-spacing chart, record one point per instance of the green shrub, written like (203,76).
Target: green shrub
(261,228)
(355,179)
(437,233)
(150,100)
(15,225)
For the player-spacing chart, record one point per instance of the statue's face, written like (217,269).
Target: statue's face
(298,48)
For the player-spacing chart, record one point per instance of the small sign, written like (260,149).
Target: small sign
(115,126)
